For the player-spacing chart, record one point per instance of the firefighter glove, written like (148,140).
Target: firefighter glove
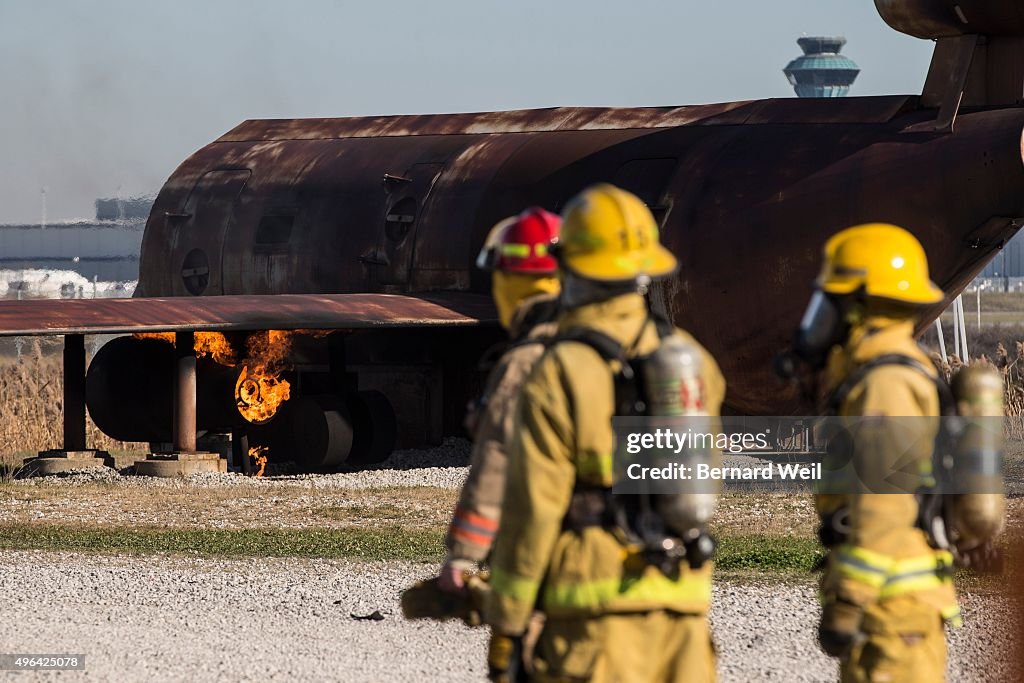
(504,658)
(839,627)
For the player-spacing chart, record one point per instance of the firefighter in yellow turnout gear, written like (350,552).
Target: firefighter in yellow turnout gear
(610,614)
(886,593)
(525,288)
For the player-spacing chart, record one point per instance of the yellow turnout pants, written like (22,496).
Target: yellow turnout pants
(655,647)
(906,643)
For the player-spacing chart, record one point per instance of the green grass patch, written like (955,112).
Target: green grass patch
(735,553)
(768,553)
(363,544)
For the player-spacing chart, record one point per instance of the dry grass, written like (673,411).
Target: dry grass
(984,339)
(122,503)
(32,407)
(1011,366)
(781,514)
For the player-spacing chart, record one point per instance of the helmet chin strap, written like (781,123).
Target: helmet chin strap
(578,291)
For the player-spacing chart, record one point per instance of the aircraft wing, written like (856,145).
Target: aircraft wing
(243,312)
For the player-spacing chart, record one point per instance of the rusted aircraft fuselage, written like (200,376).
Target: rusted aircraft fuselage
(746,194)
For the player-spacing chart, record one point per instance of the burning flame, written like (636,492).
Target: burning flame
(259,390)
(217,346)
(213,344)
(259,454)
(162,336)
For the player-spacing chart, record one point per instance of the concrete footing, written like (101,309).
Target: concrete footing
(180,464)
(57,461)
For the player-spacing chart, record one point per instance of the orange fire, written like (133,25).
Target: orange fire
(259,390)
(213,344)
(259,454)
(162,336)
(217,346)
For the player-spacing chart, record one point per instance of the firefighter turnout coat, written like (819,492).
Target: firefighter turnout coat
(887,566)
(478,511)
(563,438)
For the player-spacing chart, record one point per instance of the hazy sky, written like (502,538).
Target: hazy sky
(106,97)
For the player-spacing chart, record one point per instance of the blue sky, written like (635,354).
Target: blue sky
(107,96)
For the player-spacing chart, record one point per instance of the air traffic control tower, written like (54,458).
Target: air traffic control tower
(821,71)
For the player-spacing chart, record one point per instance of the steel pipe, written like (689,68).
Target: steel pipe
(74,392)
(185,393)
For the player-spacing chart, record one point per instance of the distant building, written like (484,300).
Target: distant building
(130,209)
(821,71)
(75,258)
(1005,272)
(105,251)
(1009,262)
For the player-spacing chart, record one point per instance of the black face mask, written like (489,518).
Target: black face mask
(822,327)
(577,291)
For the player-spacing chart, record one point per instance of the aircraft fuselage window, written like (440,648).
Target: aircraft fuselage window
(274,230)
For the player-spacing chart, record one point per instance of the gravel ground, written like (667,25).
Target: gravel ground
(188,619)
(447,469)
(444,466)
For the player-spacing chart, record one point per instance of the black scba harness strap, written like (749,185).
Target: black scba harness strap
(595,505)
(929,502)
(632,516)
(629,379)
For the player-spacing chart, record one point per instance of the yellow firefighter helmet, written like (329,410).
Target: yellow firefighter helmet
(884,260)
(609,235)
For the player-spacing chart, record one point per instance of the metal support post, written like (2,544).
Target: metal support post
(185,393)
(74,392)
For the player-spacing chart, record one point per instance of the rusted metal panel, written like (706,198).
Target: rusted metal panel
(751,233)
(487,123)
(559,119)
(940,18)
(337,184)
(243,312)
(746,192)
(811,110)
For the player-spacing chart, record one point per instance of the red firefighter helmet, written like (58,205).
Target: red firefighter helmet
(521,244)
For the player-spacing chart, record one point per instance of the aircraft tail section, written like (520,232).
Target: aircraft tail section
(979,51)
(936,19)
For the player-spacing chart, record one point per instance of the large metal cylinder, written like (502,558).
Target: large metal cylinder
(130,395)
(314,432)
(130,391)
(942,18)
(323,432)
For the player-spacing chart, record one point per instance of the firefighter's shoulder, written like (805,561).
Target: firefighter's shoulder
(893,389)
